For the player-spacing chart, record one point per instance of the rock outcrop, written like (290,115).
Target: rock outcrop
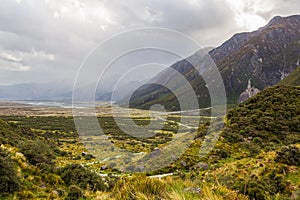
(249,92)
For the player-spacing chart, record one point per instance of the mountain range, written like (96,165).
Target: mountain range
(263,57)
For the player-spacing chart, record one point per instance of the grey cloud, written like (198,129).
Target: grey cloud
(274,7)
(177,14)
(68,30)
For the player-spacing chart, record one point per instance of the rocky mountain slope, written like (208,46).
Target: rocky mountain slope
(292,79)
(265,57)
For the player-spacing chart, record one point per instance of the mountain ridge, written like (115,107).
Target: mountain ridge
(266,56)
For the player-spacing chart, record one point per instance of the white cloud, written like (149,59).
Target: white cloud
(51,38)
(252,14)
(9,56)
(42,55)
(13,66)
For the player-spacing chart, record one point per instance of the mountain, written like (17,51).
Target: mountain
(35,91)
(292,79)
(265,57)
(118,93)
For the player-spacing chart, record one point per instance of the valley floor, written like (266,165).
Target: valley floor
(43,157)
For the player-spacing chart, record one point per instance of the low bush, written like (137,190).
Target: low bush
(9,181)
(38,153)
(289,155)
(74,193)
(263,186)
(75,174)
(139,186)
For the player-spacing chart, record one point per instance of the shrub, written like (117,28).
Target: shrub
(132,188)
(75,193)
(75,174)
(262,186)
(38,152)
(9,181)
(269,117)
(253,148)
(216,192)
(25,195)
(289,155)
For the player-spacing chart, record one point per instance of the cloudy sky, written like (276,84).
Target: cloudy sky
(45,41)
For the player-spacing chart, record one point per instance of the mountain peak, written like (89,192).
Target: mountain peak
(275,20)
(263,56)
(283,20)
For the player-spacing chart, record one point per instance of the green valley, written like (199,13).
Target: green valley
(256,157)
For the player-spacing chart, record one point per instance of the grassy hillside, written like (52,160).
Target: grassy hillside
(258,153)
(272,116)
(265,133)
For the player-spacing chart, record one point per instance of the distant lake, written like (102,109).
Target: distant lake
(61,104)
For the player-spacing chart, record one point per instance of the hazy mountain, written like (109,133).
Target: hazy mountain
(61,91)
(118,93)
(34,91)
(265,57)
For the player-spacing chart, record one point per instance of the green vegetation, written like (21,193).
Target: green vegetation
(75,174)
(9,180)
(37,152)
(74,193)
(263,133)
(256,157)
(139,187)
(289,155)
(266,121)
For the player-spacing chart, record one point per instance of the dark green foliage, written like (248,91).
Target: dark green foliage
(12,134)
(222,153)
(75,193)
(124,140)
(38,152)
(264,185)
(75,174)
(59,128)
(272,116)
(88,157)
(289,155)
(253,148)
(9,181)
(47,123)
(270,121)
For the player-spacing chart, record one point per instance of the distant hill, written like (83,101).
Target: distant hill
(265,57)
(35,91)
